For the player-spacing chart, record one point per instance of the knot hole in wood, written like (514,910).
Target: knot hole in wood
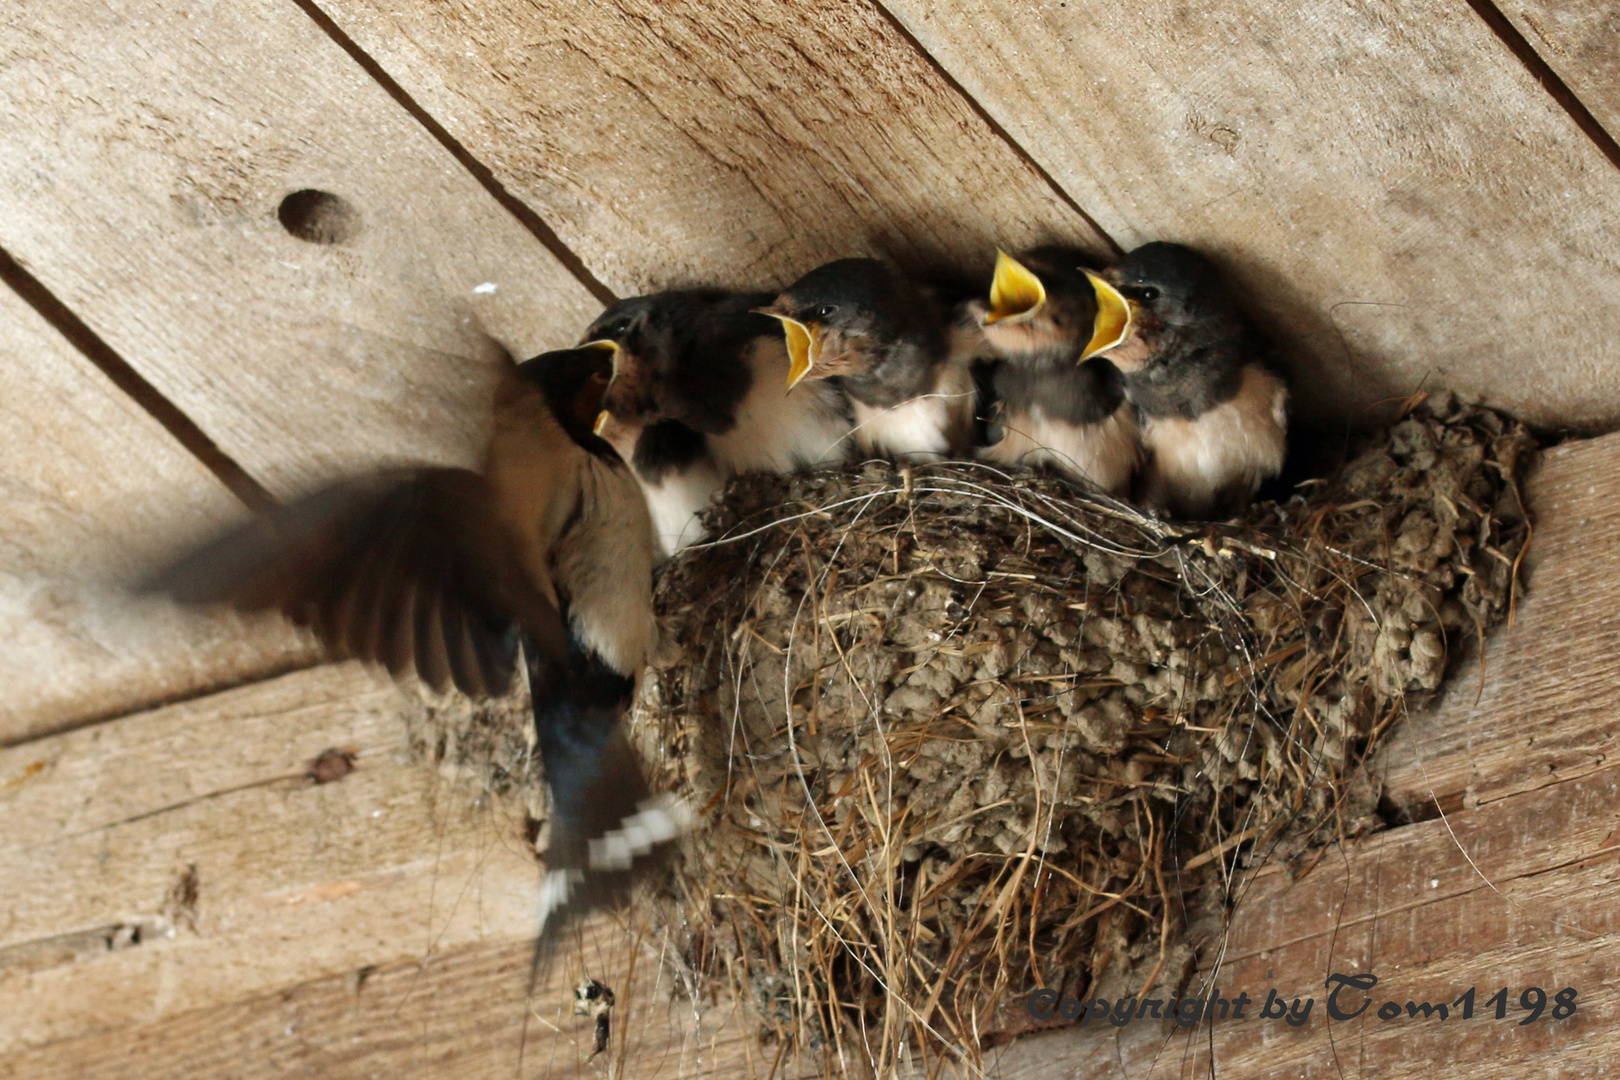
(319,217)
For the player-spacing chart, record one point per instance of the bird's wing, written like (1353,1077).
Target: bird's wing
(408,568)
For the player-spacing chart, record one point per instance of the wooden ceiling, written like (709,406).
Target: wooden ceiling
(1416,193)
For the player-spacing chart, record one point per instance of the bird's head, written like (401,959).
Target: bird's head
(1047,304)
(1169,288)
(840,318)
(574,382)
(633,334)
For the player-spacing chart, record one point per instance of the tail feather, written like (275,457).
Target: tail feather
(606,825)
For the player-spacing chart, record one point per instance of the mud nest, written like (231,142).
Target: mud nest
(955,733)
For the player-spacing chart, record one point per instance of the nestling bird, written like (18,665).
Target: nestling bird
(1214,415)
(699,393)
(902,356)
(1057,405)
(449,572)
(671,461)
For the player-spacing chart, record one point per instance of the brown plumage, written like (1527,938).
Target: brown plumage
(448,572)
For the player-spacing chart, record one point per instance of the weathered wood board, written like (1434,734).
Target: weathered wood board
(288,879)
(1514,890)
(145,150)
(93,489)
(1399,197)
(186,896)
(183,900)
(1580,40)
(1515,885)
(1545,711)
(458,1016)
(736,143)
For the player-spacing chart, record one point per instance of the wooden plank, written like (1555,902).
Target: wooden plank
(741,143)
(384,917)
(1394,191)
(457,1016)
(1520,892)
(1545,710)
(93,485)
(145,149)
(291,880)
(1580,41)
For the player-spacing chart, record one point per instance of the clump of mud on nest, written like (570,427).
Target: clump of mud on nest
(955,733)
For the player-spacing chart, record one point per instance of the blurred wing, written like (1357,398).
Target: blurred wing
(411,569)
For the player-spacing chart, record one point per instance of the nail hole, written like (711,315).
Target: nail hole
(319,217)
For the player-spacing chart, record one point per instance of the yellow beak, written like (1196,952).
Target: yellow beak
(1016,293)
(602,419)
(603,343)
(1115,317)
(803,345)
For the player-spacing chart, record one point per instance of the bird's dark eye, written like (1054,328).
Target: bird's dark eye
(1145,293)
(823,311)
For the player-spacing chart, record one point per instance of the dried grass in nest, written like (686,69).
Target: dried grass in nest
(957,733)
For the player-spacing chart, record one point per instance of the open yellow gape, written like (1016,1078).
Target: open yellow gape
(803,345)
(1115,317)
(1016,294)
(613,347)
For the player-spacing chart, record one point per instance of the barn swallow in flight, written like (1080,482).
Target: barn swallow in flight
(447,572)
(903,357)
(1214,415)
(700,387)
(1058,405)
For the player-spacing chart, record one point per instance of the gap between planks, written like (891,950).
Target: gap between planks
(185,430)
(993,124)
(520,210)
(1556,88)
(133,385)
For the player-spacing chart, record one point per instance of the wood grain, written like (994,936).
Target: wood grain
(1580,40)
(460,1015)
(145,149)
(292,879)
(739,143)
(1545,711)
(93,486)
(1532,903)
(384,918)
(1397,195)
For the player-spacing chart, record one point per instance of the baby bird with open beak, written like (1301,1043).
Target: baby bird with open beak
(700,393)
(669,459)
(1059,406)
(1214,415)
(903,358)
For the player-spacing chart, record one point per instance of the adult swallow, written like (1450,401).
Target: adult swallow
(1059,406)
(451,574)
(903,356)
(1214,415)
(699,386)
